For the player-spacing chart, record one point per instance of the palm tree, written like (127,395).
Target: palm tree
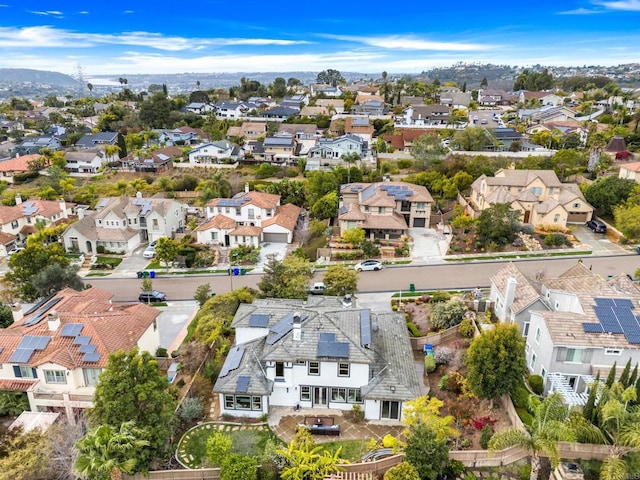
(217,186)
(107,453)
(90,87)
(550,425)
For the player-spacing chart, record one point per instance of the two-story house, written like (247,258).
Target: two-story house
(199,107)
(426,115)
(37,144)
(280,113)
(538,194)
(121,224)
(282,149)
(317,354)
(579,324)
(228,109)
(10,167)
(100,138)
(181,136)
(56,350)
(248,131)
(248,218)
(305,135)
(155,161)
(214,153)
(87,161)
(384,210)
(20,219)
(328,152)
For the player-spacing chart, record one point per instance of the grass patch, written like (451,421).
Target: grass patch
(430,293)
(113,261)
(155,265)
(352,450)
(519,255)
(97,274)
(247,439)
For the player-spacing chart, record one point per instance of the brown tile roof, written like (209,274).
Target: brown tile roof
(36,208)
(247,230)
(16,385)
(313,111)
(294,128)
(395,141)
(287,217)
(353,213)
(110,328)
(632,167)
(219,221)
(259,199)
(517,178)
(360,99)
(526,292)
(18,164)
(7,238)
(385,222)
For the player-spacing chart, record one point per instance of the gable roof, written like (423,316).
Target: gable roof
(259,199)
(18,164)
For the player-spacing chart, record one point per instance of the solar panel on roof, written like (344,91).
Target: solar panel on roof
(39,315)
(34,342)
(592,328)
(21,355)
(39,304)
(333,349)
(71,330)
(259,320)
(633,338)
(623,302)
(604,302)
(89,348)
(365,327)
(243,384)
(81,340)
(233,360)
(327,337)
(91,357)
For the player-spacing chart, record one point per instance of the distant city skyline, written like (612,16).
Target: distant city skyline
(202,36)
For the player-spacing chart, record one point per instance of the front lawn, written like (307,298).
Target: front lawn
(247,439)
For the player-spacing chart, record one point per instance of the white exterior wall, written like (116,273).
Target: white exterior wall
(247,334)
(279,229)
(244,413)
(150,340)
(564,302)
(543,348)
(235,240)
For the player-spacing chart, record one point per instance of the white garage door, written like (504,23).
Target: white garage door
(275,237)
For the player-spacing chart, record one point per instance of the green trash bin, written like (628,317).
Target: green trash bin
(412,287)
(145,274)
(243,271)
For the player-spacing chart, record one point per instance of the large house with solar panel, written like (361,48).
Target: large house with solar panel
(384,210)
(575,325)
(318,353)
(248,218)
(121,224)
(56,349)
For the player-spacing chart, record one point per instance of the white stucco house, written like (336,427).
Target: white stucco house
(56,350)
(214,153)
(318,353)
(248,218)
(121,224)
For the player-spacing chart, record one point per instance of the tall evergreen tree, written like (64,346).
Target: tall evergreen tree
(624,378)
(612,376)
(589,410)
(634,376)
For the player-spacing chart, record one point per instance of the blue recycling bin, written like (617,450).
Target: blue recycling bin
(236,271)
(152,274)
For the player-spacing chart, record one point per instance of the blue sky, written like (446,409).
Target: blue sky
(143,36)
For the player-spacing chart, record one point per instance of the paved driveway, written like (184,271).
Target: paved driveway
(598,242)
(429,245)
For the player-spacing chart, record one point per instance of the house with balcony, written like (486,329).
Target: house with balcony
(215,153)
(426,115)
(320,353)
(156,161)
(87,162)
(20,220)
(281,149)
(538,194)
(121,224)
(575,325)
(182,136)
(57,348)
(305,135)
(228,109)
(248,218)
(328,152)
(384,210)
(96,139)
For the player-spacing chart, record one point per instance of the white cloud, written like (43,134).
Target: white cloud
(580,11)
(622,5)
(397,42)
(47,13)
(83,12)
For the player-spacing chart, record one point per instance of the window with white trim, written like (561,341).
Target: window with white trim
(543,372)
(314,368)
(538,335)
(55,376)
(279,371)
(534,358)
(91,376)
(613,351)
(305,393)
(525,329)
(574,355)
(343,369)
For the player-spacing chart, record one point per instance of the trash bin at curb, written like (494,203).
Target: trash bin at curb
(153,274)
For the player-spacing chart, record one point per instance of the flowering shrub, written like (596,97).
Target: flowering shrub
(481,422)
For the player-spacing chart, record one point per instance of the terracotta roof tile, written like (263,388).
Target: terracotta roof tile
(247,230)
(286,217)
(16,385)
(18,164)
(219,221)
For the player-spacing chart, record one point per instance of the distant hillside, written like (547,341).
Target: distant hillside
(26,75)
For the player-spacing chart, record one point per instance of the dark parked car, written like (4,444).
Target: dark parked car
(597,226)
(152,296)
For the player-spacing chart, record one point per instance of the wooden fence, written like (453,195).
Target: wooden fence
(436,339)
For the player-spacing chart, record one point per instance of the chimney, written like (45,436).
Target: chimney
(18,199)
(297,327)
(347,301)
(246,187)
(63,208)
(18,313)
(81,212)
(510,293)
(53,320)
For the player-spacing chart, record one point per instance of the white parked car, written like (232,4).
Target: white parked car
(14,250)
(149,252)
(368,265)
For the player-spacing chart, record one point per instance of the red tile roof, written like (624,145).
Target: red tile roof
(18,164)
(16,385)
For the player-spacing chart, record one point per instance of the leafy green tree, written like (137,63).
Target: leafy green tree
(237,466)
(290,191)
(496,362)
(167,251)
(425,410)
(627,219)
(473,139)
(354,236)
(340,281)
(132,388)
(499,224)
(550,425)
(319,183)
(24,456)
(26,264)
(330,77)
(326,206)
(216,186)
(534,81)
(306,461)
(607,192)
(55,277)
(589,409)
(13,403)
(285,278)
(203,293)
(447,314)
(218,447)
(402,471)
(6,315)
(427,150)
(107,452)
(428,455)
